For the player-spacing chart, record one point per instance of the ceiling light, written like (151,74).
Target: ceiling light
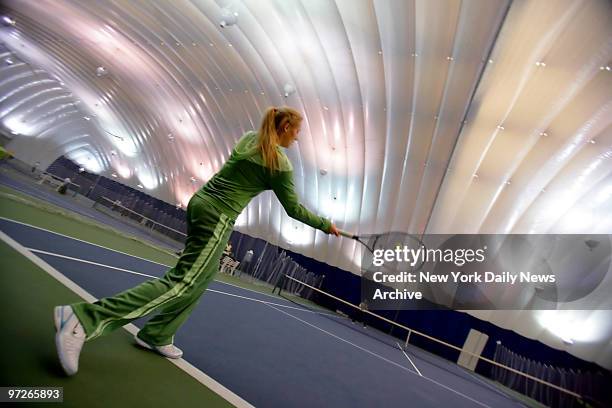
(490,61)
(114,175)
(7,21)
(228,18)
(86,118)
(544,134)
(288,89)
(592,141)
(500,127)
(540,64)
(9,61)
(192,179)
(101,71)
(139,186)
(450,59)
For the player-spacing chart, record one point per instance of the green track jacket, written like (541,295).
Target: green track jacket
(245,175)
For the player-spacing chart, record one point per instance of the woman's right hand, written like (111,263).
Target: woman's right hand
(334,230)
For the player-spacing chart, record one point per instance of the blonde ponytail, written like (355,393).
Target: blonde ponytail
(273,121)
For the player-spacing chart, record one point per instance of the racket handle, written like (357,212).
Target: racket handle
(347,234)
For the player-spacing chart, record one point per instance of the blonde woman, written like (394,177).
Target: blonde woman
(256,164)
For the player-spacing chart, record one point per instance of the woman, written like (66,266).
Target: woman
(256,164)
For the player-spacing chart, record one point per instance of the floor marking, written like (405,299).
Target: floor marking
(402,350)
(383,358)
(38,251)
(470,374)
(344,340)
(123,253)
(80,240)
(155,277)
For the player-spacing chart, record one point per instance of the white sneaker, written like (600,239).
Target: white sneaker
(69,338)
(169,350)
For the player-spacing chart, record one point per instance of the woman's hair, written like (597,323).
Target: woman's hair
(273,121)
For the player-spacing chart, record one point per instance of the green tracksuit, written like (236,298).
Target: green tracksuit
(210,217)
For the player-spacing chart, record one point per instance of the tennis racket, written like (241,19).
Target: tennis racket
(389,240)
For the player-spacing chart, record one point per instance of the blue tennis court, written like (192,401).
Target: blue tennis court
(270,351)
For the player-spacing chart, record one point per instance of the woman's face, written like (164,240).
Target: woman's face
(289,134)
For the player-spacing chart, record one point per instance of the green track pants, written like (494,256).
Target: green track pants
(174,295)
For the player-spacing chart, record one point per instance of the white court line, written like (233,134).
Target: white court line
(124,253)
(80,240)
(271,303)
(38,251)
(402,350)
(382,358)
(475,377)
(344,340)
(204,379)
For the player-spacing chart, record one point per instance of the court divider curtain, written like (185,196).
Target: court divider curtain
(269,264)
(593,386)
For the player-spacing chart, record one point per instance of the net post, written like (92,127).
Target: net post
(407,339)
(279,284)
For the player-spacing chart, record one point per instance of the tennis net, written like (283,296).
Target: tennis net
(154,228)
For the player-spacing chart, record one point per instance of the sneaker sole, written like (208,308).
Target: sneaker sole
(57,317)
(141,343)
(57,320)
(145,345)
